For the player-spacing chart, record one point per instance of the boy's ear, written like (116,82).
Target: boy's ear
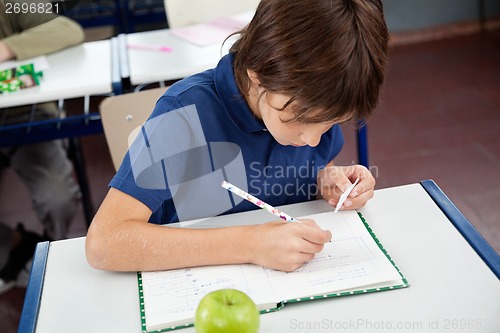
(253,77)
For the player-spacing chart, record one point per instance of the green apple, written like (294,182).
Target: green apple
(227,310)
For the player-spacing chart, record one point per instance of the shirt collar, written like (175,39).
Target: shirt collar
(236,107)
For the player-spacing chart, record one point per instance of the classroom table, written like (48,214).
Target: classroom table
(84,69)
(144,66)
(185,58)
(452,271)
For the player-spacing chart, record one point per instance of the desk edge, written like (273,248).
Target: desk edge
(116,78)
(31,304)
(473,237)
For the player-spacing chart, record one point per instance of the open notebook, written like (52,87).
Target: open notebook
(353,263)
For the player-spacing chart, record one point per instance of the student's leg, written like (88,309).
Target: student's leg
(18,246)
(6,242)
(48,174)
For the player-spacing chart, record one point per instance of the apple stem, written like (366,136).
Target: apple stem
(227,300)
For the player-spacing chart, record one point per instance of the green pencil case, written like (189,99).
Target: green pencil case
(17,78)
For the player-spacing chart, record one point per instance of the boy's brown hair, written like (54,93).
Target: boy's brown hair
(329,55)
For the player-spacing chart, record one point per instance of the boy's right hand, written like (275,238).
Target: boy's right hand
(286,246)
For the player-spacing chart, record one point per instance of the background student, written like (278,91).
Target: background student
(43,167)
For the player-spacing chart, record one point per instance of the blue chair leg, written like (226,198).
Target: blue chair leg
(362,138)
(77,157)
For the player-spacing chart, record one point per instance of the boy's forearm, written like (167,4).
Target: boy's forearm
(140,246)
(46,38)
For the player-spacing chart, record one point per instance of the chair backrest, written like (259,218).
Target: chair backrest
(121,114)
(186,12)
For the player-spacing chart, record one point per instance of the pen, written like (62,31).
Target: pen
(256,201)
(150,47)
(344,196)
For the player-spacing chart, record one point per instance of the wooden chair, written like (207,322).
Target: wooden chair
(122,114)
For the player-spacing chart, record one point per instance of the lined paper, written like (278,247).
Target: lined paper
(172,296)
(351,260)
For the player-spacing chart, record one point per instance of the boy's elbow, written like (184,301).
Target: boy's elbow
(73,32)
(78,36)
(92,252)
(95,250)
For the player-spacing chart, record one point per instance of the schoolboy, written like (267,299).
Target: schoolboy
(298,70)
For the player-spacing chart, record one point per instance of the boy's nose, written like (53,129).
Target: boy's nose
(311,139)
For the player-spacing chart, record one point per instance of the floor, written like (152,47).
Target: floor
(439,118)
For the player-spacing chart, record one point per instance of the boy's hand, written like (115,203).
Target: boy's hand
(334,180)
(286,246)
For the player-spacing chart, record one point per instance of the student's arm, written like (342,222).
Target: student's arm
(121,239)
(334,180)
(35,34)
(5,52)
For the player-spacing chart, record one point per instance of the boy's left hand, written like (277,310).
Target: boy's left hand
(334,180)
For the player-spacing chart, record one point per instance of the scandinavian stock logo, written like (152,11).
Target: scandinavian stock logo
(170,152)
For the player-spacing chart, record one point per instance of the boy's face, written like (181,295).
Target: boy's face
(293,133)
(268,106)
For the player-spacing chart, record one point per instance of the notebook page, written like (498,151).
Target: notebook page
(352,261)
(171,297)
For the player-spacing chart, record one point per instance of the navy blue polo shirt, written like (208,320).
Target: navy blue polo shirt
(274,173)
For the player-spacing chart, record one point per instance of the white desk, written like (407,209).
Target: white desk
(185,59)
(450,284)
(78,71)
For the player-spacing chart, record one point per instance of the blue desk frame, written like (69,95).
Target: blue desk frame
(31,305)
(362,142)
(478,243)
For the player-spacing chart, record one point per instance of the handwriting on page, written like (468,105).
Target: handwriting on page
(343,254)
(172,296)
(343,259)
(177,292)
(352,261)
(349,257)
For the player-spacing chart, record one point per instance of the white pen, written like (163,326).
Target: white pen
(344,196)
(257,202)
